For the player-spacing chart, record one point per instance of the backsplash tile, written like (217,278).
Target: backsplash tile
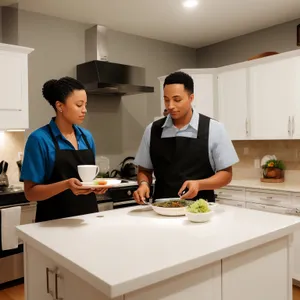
(286,150)
(10,144)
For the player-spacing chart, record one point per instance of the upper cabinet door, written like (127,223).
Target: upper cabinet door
(232,101)
(272,96)
(12,71)
(295,112)
(204,94)
(14,87)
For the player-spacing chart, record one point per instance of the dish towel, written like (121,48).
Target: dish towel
(10,218)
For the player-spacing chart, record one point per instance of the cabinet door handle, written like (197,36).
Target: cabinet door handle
(246,125)
(289,126)
(57,275)
(47,280)
(293,125)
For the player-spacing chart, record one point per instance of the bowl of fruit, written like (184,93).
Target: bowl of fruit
(199,211)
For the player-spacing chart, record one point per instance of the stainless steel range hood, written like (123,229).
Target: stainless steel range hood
(106,78)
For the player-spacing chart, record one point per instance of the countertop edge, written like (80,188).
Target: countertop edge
(259,186)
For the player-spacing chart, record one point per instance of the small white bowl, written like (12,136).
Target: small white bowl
(199,217)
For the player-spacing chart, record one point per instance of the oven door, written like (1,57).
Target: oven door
(105,206)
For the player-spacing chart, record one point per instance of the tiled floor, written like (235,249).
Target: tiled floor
(17,293)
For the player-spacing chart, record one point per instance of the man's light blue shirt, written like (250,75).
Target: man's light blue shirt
(221,150)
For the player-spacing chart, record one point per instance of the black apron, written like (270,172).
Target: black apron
(178,159)
(66,204)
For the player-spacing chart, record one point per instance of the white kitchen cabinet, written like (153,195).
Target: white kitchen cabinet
(204,91)
(282,202)
(204,94)
(233,193)
(230,202)
(161,94)
(296,255)
(47,280)
(273,98)
(255,280)
(205,281)
(281,199)
(233,102)
(28,211)
(255,100)
(14,87)
(295,112)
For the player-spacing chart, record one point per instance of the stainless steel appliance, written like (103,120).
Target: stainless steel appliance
(107,78)
(11,261)
(119,197)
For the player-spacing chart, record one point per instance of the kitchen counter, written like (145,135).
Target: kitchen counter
(137,253)
(257,184)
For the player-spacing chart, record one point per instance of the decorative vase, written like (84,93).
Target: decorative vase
(271,174)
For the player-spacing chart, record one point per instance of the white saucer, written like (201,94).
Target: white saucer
(109,183)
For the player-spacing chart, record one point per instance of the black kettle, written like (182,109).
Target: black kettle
(127,169)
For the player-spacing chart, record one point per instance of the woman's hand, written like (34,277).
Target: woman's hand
(76,187)
(100,191)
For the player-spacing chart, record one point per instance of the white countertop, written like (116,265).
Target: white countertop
(131,248)
(257,184)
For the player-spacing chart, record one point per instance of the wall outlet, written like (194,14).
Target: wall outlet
(246,151)
(257,163)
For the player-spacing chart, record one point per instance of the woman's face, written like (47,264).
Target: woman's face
(74,108)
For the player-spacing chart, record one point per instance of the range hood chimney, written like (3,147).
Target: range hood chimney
(106,78)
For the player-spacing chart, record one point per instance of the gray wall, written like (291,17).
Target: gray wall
(117,124)
(9,24)
(280,38)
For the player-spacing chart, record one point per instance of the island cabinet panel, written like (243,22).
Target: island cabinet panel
(59,284)
(203,283)
(260,273)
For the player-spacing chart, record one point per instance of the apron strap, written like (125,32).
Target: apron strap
(203,127)
(53,137)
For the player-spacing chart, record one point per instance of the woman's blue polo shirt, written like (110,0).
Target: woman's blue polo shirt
(39,153)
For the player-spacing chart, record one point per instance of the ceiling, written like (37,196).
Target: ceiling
(166,20)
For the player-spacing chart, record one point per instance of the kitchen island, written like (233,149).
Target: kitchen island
(135,254)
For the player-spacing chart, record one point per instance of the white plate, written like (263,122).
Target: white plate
(110,183)
(165,211)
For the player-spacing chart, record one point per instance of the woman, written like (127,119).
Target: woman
(53,152)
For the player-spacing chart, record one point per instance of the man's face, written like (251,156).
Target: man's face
(178,101)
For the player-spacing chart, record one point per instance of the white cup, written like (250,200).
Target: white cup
(87,173)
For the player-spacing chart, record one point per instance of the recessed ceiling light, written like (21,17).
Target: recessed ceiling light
(190,3)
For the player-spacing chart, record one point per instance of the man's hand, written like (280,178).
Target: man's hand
(141,194)
(193,189)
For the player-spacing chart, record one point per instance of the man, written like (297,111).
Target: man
(191,155)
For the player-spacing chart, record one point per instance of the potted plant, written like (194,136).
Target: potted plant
(273,171)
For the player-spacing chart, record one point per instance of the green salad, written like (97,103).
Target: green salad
(199,206)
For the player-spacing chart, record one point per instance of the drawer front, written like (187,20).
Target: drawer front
(231,202)
(296,200)
(237,194)
(268,208)
(269,198)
